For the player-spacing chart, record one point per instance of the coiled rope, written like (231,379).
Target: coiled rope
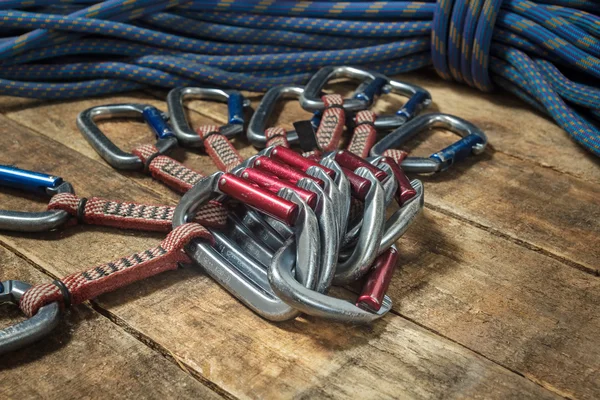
(76,48)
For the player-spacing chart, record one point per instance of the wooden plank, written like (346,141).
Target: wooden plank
(86,355)
(513,127)
(538,207)
(221,341)
(520,308)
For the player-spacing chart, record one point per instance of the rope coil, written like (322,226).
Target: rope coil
(527,47)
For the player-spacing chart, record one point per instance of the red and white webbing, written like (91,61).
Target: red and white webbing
(219,148)
(396,155)
(129,215)
(276,136)
(167,170)
(82,286)
(332,123)
(364,135)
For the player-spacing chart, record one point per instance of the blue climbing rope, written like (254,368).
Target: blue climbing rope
(545,52)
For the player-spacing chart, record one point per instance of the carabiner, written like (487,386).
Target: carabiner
(473,141)
(310,100)
(260,118)
(341,196)
(398,223)
(311,302)
(244,279)
(29,331)
(117,158)
(369,239)
(418,100)
(181,127)
(36,182)
(274,235)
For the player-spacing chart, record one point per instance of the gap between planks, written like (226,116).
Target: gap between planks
(137,335)
(512,239)
(541,384)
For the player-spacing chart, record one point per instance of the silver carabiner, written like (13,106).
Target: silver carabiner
(29,331)
(273,234)
(329,234)
(244,278)
(398,223)
(312,302)
(473,141)
(260,118)
(112,154)
(369,239)
(311,98)
(21,221)
(181,127)
(341,196)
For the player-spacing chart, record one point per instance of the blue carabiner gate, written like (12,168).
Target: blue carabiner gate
(38,183)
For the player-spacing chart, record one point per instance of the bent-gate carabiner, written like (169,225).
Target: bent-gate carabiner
(112,154)
(369,239)
(29,331)
(36,182)
(181,127)
(473,141)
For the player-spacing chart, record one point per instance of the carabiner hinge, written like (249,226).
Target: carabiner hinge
(31,181)
(11,291)
(457,151)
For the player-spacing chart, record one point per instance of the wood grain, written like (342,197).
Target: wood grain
(87,356)
(185,314)
(524,310)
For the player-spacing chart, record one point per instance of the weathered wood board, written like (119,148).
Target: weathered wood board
(497,294)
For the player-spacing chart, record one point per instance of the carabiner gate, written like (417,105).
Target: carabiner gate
(36,182)
(418,100)
(473,141)
(112,154)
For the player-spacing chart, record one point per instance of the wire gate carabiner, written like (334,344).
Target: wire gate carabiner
(276,230)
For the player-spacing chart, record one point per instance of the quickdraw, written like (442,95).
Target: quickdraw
(278,229)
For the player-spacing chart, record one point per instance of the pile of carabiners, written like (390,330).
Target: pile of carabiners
(276,230)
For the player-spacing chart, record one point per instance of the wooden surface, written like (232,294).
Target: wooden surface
(497,294)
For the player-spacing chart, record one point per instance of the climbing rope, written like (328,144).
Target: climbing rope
(533,49)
